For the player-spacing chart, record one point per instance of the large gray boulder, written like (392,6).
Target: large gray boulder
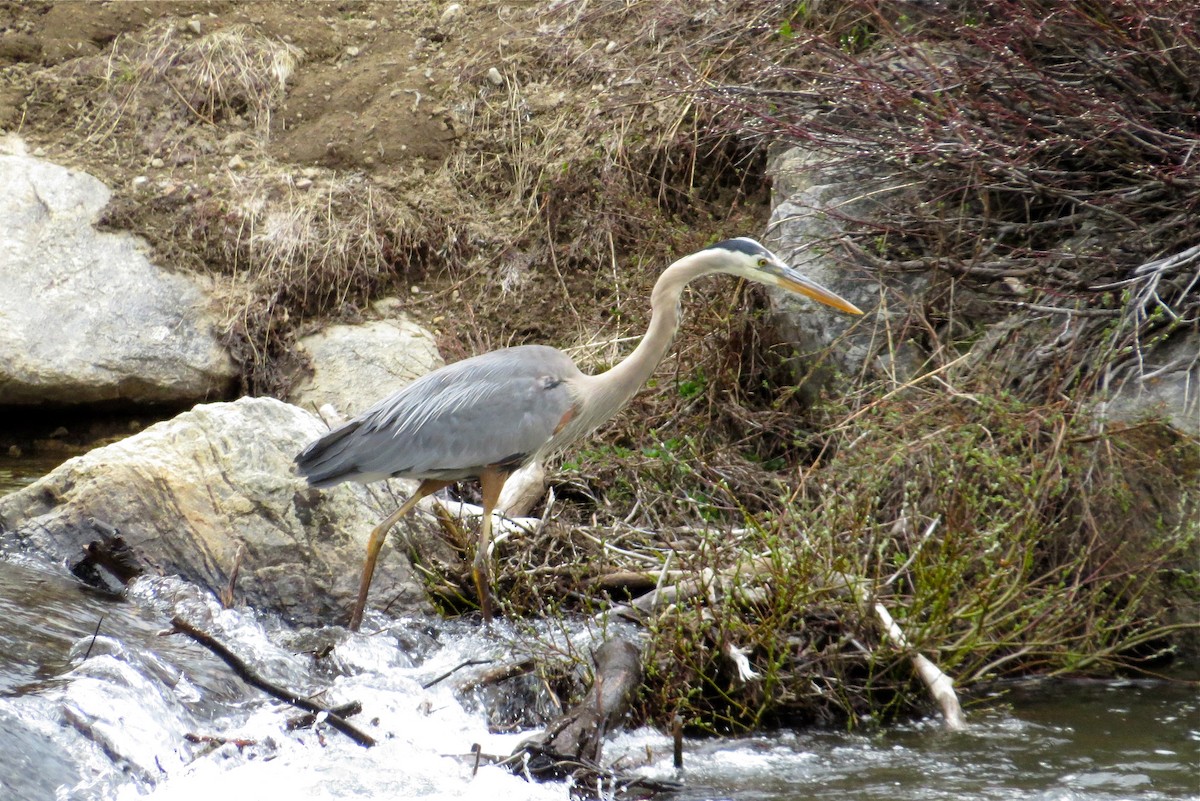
(188,493)
(810,206)
(84,316)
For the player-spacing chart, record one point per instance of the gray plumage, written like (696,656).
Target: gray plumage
(741,244)
(499,408)
(487,416)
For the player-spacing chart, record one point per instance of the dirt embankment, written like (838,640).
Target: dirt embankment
(514,172)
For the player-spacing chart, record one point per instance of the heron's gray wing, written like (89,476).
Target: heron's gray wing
(498,408)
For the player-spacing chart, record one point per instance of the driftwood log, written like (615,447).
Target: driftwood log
(574,741)
(571,746)
(939,684)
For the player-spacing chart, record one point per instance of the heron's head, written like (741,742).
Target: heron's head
(746,258)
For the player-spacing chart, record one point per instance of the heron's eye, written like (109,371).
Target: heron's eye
(762,261)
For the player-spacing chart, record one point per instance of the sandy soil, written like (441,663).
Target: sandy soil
(369,91)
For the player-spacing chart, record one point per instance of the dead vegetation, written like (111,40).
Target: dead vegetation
(1048,150)
(229,74)
(1042,192)
(984,523)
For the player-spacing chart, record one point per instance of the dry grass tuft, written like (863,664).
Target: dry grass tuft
(294,252)
(232,73)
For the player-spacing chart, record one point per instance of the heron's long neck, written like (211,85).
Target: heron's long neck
(613,389)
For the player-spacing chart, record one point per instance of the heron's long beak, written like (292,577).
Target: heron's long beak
(793,281)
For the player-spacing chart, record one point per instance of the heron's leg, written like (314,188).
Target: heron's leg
(378,535)
(491,481)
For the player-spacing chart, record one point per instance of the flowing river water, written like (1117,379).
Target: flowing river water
(128,713)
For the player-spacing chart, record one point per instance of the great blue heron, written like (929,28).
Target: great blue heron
(489,415)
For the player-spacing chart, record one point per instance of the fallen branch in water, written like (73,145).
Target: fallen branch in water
(179,625)
(941,686)
(307,719)
(504,672)
(579,732)
(571,745)
(455,669)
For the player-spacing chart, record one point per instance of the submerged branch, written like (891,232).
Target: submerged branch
(246,674)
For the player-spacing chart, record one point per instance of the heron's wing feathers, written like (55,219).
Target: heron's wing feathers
(498,408)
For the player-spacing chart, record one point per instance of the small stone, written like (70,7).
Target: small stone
(303,183)
(139,181)
(352,51)
(416,290)
(1015,285)
(388,307)
(451,13)
(156,163)
(495,77)
(611,47)
(237,163)
(194,26)
(234,143)
(39,152)
(14,452)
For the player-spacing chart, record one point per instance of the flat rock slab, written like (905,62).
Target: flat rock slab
(188,493)
(84,316)
(356,365)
